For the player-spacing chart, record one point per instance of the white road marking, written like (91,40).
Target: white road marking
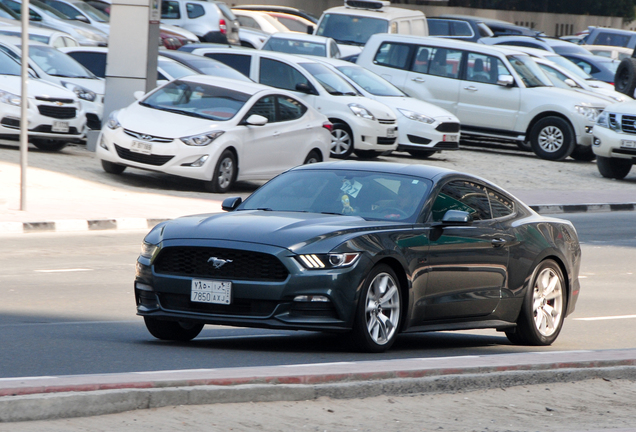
(606,318)
(63,270)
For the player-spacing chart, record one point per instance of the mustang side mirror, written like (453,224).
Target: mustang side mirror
(505,80)
(231,203)
(456,217)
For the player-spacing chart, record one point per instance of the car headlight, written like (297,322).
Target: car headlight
(361,111)
(113,122)
(203,139)
(416,116)
(80,92)
(590,112)
(603,120)
(328,261)
(148,250)
(9,98)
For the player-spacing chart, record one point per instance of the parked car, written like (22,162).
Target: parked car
(211,21)
(599,67)
(360,125)
(423,128)
(613,52)
(545,43)
(52,38)
(501,28)
(252,38)
(293,22)
(81,11)
(52,65)
(615,140)
(282,9)
(216,130)
(494,91)
(204,65)
(611,37)
(259,21)
(302,44)
(55,115)
(463,28)
(351,25)
(370,250)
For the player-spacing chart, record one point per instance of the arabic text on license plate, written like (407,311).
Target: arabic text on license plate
(141,147)
(451,138)
(390,132)
(208,291)
(628,144)
(60,126)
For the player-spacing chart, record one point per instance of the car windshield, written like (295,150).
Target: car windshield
(9,66)
(331,81)
(57,63)
(197,100)
(174,69)
(530,73)
(369,81)
(369,195)
(92,12)
(294,46)
(351,29)
(48,10)
(567,64)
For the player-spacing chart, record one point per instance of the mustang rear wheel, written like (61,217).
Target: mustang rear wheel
(172,330)
(541,317)
(379,311)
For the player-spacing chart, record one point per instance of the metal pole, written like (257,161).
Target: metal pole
(24,104)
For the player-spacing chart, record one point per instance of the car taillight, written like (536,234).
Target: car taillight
(328,126)
(222,26)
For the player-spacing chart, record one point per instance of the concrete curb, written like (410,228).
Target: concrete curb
(582,208)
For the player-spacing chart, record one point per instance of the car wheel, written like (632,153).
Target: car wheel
(583,153)
(367,154)
(422,154)
(341,141)
(524,146)
(625,77)
(614,168)
(224,173)
(552,138)
(49,144)
(112,168)
(379,311)
(541,316)
(172,330)
(313,157)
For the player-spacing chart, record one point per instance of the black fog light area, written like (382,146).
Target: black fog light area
(313,306)
(597,142)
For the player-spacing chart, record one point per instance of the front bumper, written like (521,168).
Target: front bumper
(377,135)
(443,134)
(46,119)
(611,144)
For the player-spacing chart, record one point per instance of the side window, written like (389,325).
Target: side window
(58,42)
(438,27)
(94,62)
(241,63)
(70,42)
(421,60)
(245,21)
(461,28)
(280,75)
(444,62)
(587,67)
(484,68)
(194,10)
(161,77)
(170,10)
(289,109)
(335,51)
(500,205)
(464,196)
(605,38)
(266,107)
(393,55)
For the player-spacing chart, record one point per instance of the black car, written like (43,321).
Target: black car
(370,249)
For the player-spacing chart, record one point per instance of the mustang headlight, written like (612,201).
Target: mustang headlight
(9,98)
(590,112)
(148,250)
(416,116)
(80,92)
(112,122)
(203,139)
(361,111)
(327,261)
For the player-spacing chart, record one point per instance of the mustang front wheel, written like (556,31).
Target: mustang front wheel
(172,330)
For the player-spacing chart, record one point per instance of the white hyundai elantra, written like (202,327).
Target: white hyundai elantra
(214,129)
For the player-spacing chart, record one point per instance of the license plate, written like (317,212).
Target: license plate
(390,133)
(141,147)
(60,126)
(208,291)
(628,144)
(451,138)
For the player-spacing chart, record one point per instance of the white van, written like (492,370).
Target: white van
(352,25)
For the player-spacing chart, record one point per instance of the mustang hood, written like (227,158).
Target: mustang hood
(290,230)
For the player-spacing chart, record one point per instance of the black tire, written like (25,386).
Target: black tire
(380,336)
(367,154)
(552,138)
(541,317)
(224,175)
(341,141)
(113,168)
(583,153)
(422,154)
(313,157)
(172,330)
(625,77)
(614,168)
(524,146)
(49,144)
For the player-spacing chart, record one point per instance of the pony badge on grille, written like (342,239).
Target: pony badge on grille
(218,262)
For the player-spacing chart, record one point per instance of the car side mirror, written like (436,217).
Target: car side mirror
(505,80)
(570,82)
(231,203)
(256,120)
(305,88)
(310,29)
(138,94)
(456,217)
(82,18)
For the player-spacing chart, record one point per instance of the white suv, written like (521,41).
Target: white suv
(495,92)
(360,125)
(211,21)
(615,140)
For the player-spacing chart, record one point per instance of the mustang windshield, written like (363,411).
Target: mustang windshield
(370,195)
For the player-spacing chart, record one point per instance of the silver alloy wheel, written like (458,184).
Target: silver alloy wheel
(226,172)
(551,139)
(547,304)
(382,311)
(340,141)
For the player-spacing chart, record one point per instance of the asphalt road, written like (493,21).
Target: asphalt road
(68,308)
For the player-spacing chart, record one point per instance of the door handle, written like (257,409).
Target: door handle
(499,242)
(276,133)
(470,88)
(418,80)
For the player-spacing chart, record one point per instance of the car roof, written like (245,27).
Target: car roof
(448,43)
(386,12)
(300,37)
(285,9)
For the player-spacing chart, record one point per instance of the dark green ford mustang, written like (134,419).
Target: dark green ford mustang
(368,248)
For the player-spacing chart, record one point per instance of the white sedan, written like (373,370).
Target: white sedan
(214,129)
